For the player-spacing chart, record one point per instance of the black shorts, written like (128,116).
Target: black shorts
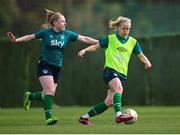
(43,69)
(110,73)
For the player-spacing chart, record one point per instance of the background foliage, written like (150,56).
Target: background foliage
(81,82)
(91,17)
(155,23)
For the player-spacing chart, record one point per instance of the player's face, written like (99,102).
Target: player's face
(124,28)
(60,24)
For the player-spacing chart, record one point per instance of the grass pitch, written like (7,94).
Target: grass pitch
(151,120)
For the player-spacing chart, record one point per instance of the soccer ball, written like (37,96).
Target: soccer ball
(132,113)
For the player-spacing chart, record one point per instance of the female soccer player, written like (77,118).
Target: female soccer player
(54,40)
(118,49)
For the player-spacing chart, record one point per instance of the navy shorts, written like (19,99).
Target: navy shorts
(43,69)
(110,73)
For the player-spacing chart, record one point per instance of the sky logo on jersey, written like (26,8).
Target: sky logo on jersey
(57,43)
(122,49)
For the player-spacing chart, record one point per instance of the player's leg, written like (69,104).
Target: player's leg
(101,107)
(116,86)
(42,69)
(98,109)
(28,97)
(47,83)
(35,96)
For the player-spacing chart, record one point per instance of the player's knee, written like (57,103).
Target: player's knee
(109,103)
(50,92)
(119,90)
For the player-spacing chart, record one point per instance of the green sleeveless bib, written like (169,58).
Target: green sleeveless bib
(117,55)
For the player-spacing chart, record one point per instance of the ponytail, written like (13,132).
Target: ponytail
(117,22)
(51,16)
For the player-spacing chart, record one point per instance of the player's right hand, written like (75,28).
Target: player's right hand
(11,37)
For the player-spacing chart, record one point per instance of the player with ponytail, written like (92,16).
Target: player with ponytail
(118,49)
(55,38)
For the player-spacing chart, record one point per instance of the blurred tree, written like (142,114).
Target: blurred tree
(8,13)
(150,17)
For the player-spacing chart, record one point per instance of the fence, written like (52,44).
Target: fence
(81,82)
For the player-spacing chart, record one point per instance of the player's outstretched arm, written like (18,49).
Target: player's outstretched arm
(25,38)
(87,40)
(145,61)
(91,48)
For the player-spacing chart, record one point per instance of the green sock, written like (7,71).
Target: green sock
(47,102)
(117,102)
(98,109)
(35,96)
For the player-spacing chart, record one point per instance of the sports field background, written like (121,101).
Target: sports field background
(155,95)
(159,120)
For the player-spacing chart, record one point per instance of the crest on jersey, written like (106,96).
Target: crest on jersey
(45,71)
(62,37)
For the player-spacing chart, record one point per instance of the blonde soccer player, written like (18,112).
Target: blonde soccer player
(118,49)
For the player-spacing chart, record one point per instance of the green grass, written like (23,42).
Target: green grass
(151,120)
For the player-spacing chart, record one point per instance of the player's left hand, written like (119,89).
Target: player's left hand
(81,53)
(148,65)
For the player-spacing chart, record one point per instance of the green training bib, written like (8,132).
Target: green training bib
(117,54)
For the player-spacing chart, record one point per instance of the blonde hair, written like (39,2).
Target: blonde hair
(51,16)
(114,24)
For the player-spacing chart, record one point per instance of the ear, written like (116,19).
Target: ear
(55,23)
